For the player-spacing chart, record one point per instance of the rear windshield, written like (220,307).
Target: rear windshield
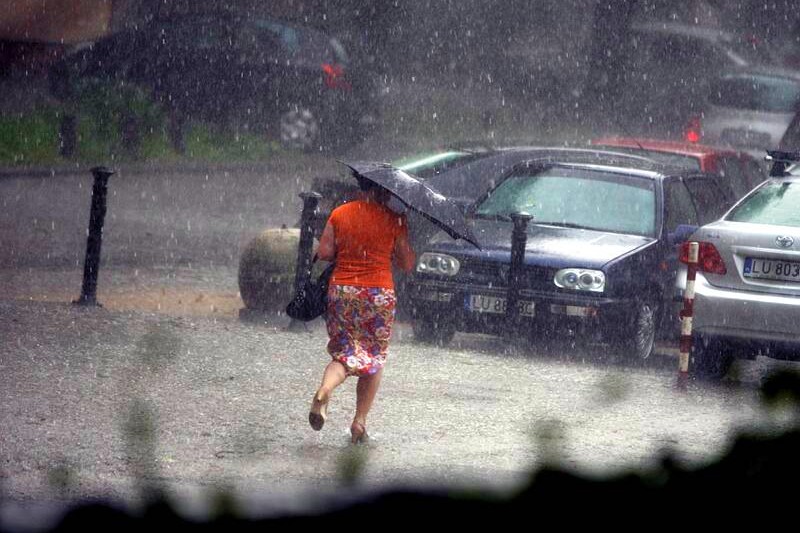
(774,203)
(570,197)
(756,92)
(301,44)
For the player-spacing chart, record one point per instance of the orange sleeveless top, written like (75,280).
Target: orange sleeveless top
(365,234)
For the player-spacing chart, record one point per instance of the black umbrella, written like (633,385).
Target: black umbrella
(417,196)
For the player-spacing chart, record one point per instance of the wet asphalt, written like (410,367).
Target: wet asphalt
(166,387)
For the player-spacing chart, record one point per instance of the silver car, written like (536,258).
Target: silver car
(750,109)
(747,288)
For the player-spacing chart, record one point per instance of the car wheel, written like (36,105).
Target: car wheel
(299,128)
(637,342)
(710,359)
(431,331)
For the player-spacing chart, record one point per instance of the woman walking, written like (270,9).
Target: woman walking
(364,238)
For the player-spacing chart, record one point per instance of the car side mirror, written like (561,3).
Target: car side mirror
(681,233)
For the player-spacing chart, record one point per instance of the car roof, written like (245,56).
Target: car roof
(787,178)
(673,147)
(762,70)
(596,158)
(707,33)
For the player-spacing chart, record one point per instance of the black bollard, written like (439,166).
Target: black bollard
(306,244)
(519,238)
(97,215)
(68,136)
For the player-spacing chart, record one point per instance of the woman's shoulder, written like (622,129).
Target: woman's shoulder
(345,208)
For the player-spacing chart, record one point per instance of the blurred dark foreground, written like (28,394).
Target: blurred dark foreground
(753,481)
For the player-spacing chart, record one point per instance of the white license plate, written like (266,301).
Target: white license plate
(481,303)
(771,269)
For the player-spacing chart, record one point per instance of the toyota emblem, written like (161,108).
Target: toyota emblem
(784,241)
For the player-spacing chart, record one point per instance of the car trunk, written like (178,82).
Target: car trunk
(757,257)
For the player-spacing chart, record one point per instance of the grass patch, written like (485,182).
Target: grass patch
(29,139)
(108,117)
(206,144)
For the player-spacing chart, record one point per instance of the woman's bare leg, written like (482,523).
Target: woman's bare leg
(366,390)
(333,376)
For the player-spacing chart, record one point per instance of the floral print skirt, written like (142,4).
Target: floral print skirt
(359,322)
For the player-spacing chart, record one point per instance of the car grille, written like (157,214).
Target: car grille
(495,274)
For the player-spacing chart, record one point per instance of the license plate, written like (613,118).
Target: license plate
(481,303)
(771,269)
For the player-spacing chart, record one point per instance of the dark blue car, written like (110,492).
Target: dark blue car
(601,253)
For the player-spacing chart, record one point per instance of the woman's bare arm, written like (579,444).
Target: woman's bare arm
(404,256)
(327,244)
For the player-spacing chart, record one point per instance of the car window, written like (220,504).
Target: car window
(710,200)
(576,197)
(791,137)
(679,206)
(774,203)
(754,173)
(302,45)
(756,92)
(731,169)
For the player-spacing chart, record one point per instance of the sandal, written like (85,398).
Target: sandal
(319,412)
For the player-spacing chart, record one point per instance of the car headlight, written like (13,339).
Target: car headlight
(580,279)
(440,264)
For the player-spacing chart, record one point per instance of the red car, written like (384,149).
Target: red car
(743,170)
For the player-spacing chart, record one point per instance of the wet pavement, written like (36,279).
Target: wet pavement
(165,385)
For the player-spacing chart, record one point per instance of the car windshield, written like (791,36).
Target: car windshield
(564,196)
(774,203)
(756,92)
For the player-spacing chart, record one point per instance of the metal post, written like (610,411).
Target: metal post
(97,215)
(686,316)
(519,239)
(306,244)
(68,135)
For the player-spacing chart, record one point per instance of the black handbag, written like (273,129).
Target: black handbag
(311,300)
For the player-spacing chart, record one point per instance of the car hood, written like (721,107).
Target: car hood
(547,245)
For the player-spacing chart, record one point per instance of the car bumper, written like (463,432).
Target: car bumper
(745,316)
(551,312)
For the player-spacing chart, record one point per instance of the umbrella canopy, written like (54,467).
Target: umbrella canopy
(410,190)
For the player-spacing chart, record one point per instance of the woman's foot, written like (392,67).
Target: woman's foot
(358,433)
(319,411)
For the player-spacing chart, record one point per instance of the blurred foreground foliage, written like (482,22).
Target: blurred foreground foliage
(120,122)
(751,482)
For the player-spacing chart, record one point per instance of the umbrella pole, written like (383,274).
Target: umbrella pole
(519,239)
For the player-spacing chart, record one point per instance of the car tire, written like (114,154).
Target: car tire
(431,331)
(710,359)
(637,342)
